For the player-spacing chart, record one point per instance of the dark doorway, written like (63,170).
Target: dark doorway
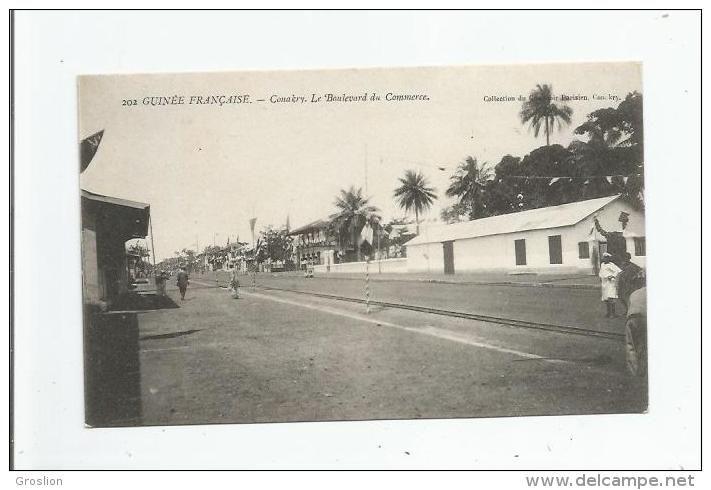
(448,249)
(555,249)
(520,246)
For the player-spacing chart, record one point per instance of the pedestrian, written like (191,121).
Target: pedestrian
(183,281)
(627,281)
(608,283)
(234,284)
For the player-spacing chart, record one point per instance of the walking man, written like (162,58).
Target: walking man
(183,281)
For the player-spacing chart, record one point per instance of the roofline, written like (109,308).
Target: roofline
(494,234)
(598,209)
(614,198)
(114,200)
(317,224)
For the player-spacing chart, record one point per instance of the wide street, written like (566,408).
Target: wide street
(277,356)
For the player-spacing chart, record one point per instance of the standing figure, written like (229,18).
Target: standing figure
(628,280)
(234,285)
(616,243)
(608,283)
(183,281)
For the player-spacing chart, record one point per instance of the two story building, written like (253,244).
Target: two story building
(314,244)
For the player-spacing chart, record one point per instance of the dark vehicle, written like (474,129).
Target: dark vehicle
(636,333)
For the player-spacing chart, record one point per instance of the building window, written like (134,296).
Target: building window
(583,250)
(520,246)
(640,246)
(555,249)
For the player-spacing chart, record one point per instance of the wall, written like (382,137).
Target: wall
(497,253)
(91,279)
(428,257)
(374,267)
(104,262)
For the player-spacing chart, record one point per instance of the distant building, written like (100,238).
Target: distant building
(556,239)
(314,244)
(107,224)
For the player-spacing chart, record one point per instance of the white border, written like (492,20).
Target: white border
(53,47)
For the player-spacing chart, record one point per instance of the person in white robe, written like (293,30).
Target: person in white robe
(608,283)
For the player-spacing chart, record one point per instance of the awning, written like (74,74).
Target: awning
(128,218)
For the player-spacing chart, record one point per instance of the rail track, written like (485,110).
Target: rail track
(548,327)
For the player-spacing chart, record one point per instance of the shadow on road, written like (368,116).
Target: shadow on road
(143,302)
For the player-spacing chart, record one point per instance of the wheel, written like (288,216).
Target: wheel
(636,347)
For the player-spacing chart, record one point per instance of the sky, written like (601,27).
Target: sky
(206,169)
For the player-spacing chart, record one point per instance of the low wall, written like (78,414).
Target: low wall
(374,267)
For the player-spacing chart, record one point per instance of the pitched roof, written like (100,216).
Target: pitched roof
(533,219)
(113,200)
(314,225)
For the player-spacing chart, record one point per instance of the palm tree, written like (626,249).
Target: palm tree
(354,212)
(540,111)
(468,183)
(414,193)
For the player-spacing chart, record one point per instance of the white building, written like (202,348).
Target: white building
(556,239)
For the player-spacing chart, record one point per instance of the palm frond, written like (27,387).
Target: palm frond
(539,111)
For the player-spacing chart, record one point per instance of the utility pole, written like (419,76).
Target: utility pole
(153,249)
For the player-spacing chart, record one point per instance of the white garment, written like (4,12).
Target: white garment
(608,278)
(366,234)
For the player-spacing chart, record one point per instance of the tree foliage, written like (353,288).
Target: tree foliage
(607,160)
(137,248)
(353,212)
(540,112)
(274,245)
(414,194)
(468,184)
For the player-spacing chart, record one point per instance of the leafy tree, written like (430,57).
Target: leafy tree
(353,213)
(468,184)
(611,145)
(395,234)
(455,213)
(614,146)
(188,255)
(547,161)
(211,250)
(501,193)
(415,194)
(141,265)
(137,249)
(620,127)
(274,245)
(539,111)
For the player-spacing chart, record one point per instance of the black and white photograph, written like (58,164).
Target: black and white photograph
(423,247)
(363,244)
